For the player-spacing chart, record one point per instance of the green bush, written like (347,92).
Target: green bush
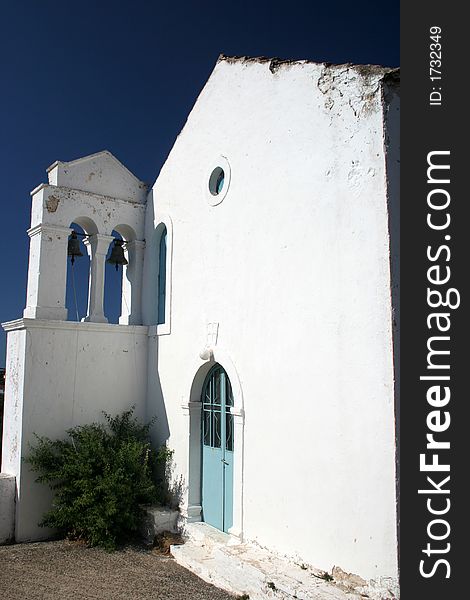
(100,476)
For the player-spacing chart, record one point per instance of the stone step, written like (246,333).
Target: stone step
(203,534)
(247,569)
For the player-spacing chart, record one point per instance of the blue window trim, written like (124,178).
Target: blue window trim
(220,182)
(162,275)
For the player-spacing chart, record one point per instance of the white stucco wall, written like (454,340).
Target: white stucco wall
(70,373)
(294,266)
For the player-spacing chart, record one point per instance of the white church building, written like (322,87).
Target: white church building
(258,315)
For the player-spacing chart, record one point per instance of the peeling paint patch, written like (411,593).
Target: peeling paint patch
(274,63)
(354,174)
(277,63)
(328,86)
(369,73)
(334,81)
(52,203)
(349,580)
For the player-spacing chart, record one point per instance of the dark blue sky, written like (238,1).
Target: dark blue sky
(83,76)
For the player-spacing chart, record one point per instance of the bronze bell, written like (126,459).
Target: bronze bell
(117,254)
(73,246)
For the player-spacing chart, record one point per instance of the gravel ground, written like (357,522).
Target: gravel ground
(63,570)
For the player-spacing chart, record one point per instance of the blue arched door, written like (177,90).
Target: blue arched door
(217,449)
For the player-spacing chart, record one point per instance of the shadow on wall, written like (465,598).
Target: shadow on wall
(174,485)
(392,142)
(173,488)
(156,407)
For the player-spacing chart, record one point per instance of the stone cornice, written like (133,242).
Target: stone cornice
(67,190)
(25,323)
(47,228)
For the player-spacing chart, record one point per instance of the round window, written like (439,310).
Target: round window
(216,181)
(217,186)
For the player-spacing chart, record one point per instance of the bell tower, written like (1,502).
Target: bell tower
(99,194)
(64,373)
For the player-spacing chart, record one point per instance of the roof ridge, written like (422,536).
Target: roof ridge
(93,155)
(275,63)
